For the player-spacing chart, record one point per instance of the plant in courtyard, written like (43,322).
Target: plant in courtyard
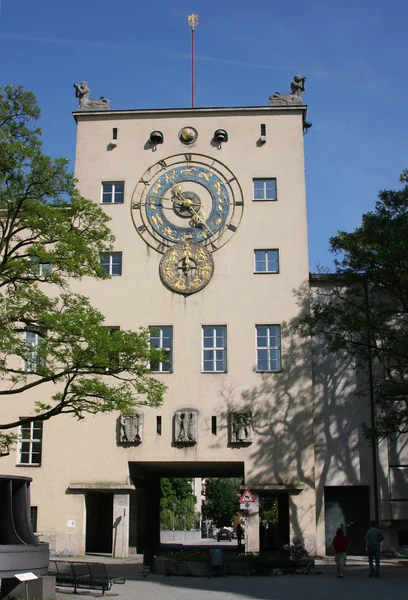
(177,504)
(222,500)
(52,340)
(361,310)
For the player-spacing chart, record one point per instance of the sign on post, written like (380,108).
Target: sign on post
(246,497)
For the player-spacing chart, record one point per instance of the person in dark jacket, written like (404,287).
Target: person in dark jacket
(373,539)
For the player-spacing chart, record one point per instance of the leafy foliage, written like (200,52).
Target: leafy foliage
(361,311)
(178,502)
(49,236)
(222,500)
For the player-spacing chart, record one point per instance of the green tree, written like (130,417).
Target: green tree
(222,500)
(178,502)
(51,337)
(361,310)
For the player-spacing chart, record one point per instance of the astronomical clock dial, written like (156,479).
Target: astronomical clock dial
(186,268)
(187,198)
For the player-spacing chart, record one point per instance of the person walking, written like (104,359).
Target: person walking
(373,539)
(239,532)
(340,544)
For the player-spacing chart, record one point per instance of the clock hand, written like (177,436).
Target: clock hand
(199,220)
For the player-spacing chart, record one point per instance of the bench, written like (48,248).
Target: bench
(82,575)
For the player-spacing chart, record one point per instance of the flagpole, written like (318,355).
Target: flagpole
(193,22)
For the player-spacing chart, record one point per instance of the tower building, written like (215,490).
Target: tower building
(208,208)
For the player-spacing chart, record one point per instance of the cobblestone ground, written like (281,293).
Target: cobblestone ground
(393,583)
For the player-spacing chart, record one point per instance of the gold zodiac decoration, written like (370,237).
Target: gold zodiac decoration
(186,268)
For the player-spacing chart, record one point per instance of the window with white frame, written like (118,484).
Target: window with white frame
(40,269)
(32,360)
(214,349)
(30,438)
(112,262)
(113,192)
(162,338)
(266,261)
(268,348)
(265,189)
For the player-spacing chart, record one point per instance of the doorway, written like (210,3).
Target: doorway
(99,519)
(347,507)
(273,520)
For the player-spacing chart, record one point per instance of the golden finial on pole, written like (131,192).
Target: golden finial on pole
(193,22)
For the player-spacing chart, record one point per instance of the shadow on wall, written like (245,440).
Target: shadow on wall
(307,436)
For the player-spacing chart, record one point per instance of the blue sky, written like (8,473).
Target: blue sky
(137,54)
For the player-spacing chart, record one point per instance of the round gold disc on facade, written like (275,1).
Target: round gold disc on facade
(188,135)
(186,268)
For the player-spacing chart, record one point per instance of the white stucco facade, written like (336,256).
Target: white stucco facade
(303,439)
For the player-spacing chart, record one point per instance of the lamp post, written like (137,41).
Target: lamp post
(185,519)
(193,22)
(173,506)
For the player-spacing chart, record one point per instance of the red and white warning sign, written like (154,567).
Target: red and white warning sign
(246,497)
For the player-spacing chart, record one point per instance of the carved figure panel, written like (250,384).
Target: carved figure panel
(131,429)
(241,428)
(185,427)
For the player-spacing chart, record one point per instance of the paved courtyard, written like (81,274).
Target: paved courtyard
(393,583)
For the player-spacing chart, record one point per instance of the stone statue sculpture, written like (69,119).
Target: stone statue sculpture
(295,97)
(131,429)
(83,92)
(241,428)
(185,427)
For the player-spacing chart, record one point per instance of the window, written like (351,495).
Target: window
(30,443)
(162,338)
(32,359)
(40,269)
(266,261)
(268,348)
(265,189)
(112,262)
(113,192)
(33,517)
(215,349)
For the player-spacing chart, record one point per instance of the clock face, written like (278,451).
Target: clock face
(187,198)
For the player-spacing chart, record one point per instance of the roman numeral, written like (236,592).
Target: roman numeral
(188,157)
(162,163)
(232,227)
(213,246)
(136,205)
(143,181)
(142,228)
(239,203)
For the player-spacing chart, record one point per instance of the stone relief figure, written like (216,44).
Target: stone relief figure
(297,86)
(241,428)
(185,427)
(131,429)
(83,92)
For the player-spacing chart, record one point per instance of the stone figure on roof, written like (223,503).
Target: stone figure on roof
(297,86)
(83,92)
